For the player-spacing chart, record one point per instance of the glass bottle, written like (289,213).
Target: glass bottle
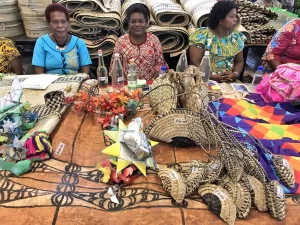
(205,68)
(131,76)
(102,76)
(182,64)
(117,73)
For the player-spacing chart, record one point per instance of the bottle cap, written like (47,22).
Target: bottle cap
(260,68)
(206,53)
(131,61)
(99,50)
(116,55)
(183,52)
(163,68)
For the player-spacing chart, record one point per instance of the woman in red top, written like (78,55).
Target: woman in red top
(285,46)
(143,47)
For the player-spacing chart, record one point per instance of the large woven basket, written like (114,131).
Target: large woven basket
(11,29)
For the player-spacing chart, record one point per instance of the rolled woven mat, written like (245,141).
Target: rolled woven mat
(34,2)
(8,9)
(172,39)
(11,29)
(125,6)
(260,34)
(168,13)
(105,44)
(103,20)
(198,10)
(107,6)
(9,13)
(8,2)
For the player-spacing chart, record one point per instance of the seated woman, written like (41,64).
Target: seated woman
(143,47)
(284,47)
(10,58)
(224,43)
(60,52)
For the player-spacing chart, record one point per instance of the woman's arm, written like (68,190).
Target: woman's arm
(39,70)
(16,65)
(38,59)
(85,69)
(281,41)
(196,55)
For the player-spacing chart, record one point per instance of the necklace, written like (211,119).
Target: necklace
(61,47)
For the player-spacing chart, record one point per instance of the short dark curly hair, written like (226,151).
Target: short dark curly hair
(219,11)
(138,8)
(56,7)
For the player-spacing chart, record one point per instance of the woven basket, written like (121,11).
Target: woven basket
(8,9)
(6,3)
(11,16)
(34,2)
(219,201)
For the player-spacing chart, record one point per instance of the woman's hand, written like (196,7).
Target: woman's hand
(217,77)
(229,77)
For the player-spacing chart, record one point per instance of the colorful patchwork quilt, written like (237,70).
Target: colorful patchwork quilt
(275,125)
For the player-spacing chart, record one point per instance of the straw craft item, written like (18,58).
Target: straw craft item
(219,201)
(173,183)
(258,194)
(173,39)
(105,6)
(198,10)
(168,13)
(193,179)
(105,44)
(284,171)
(276,200)
(240,195)
(103,20)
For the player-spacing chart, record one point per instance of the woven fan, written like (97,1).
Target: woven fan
(284,171)
(173,183)
(240,195)
(219,201)
(168,126)
(276,200)
(258,194)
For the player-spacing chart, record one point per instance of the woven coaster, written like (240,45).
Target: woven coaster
(276,199)
(284,171)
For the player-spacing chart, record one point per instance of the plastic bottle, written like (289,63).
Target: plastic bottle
(257,77)
(205,67)
(131,76)
(102,76)
(117,73)
(182,64)
(162,71)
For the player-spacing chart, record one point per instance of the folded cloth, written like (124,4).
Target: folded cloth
(38,146)
(283,85)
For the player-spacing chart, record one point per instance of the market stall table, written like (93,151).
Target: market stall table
(66,189)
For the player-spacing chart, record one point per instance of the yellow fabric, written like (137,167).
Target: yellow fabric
(222,50)
(8,52)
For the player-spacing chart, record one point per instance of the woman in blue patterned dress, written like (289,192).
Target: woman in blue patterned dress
(224,43)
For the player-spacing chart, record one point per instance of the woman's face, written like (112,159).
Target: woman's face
(230,22)
(59,24)
(137,24)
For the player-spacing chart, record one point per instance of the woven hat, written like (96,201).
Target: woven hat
(284,171)
(173,39)
(276,199)
(219,201)
(54,99)
(173,183)
(240,195)
(168,13)
(258,194)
